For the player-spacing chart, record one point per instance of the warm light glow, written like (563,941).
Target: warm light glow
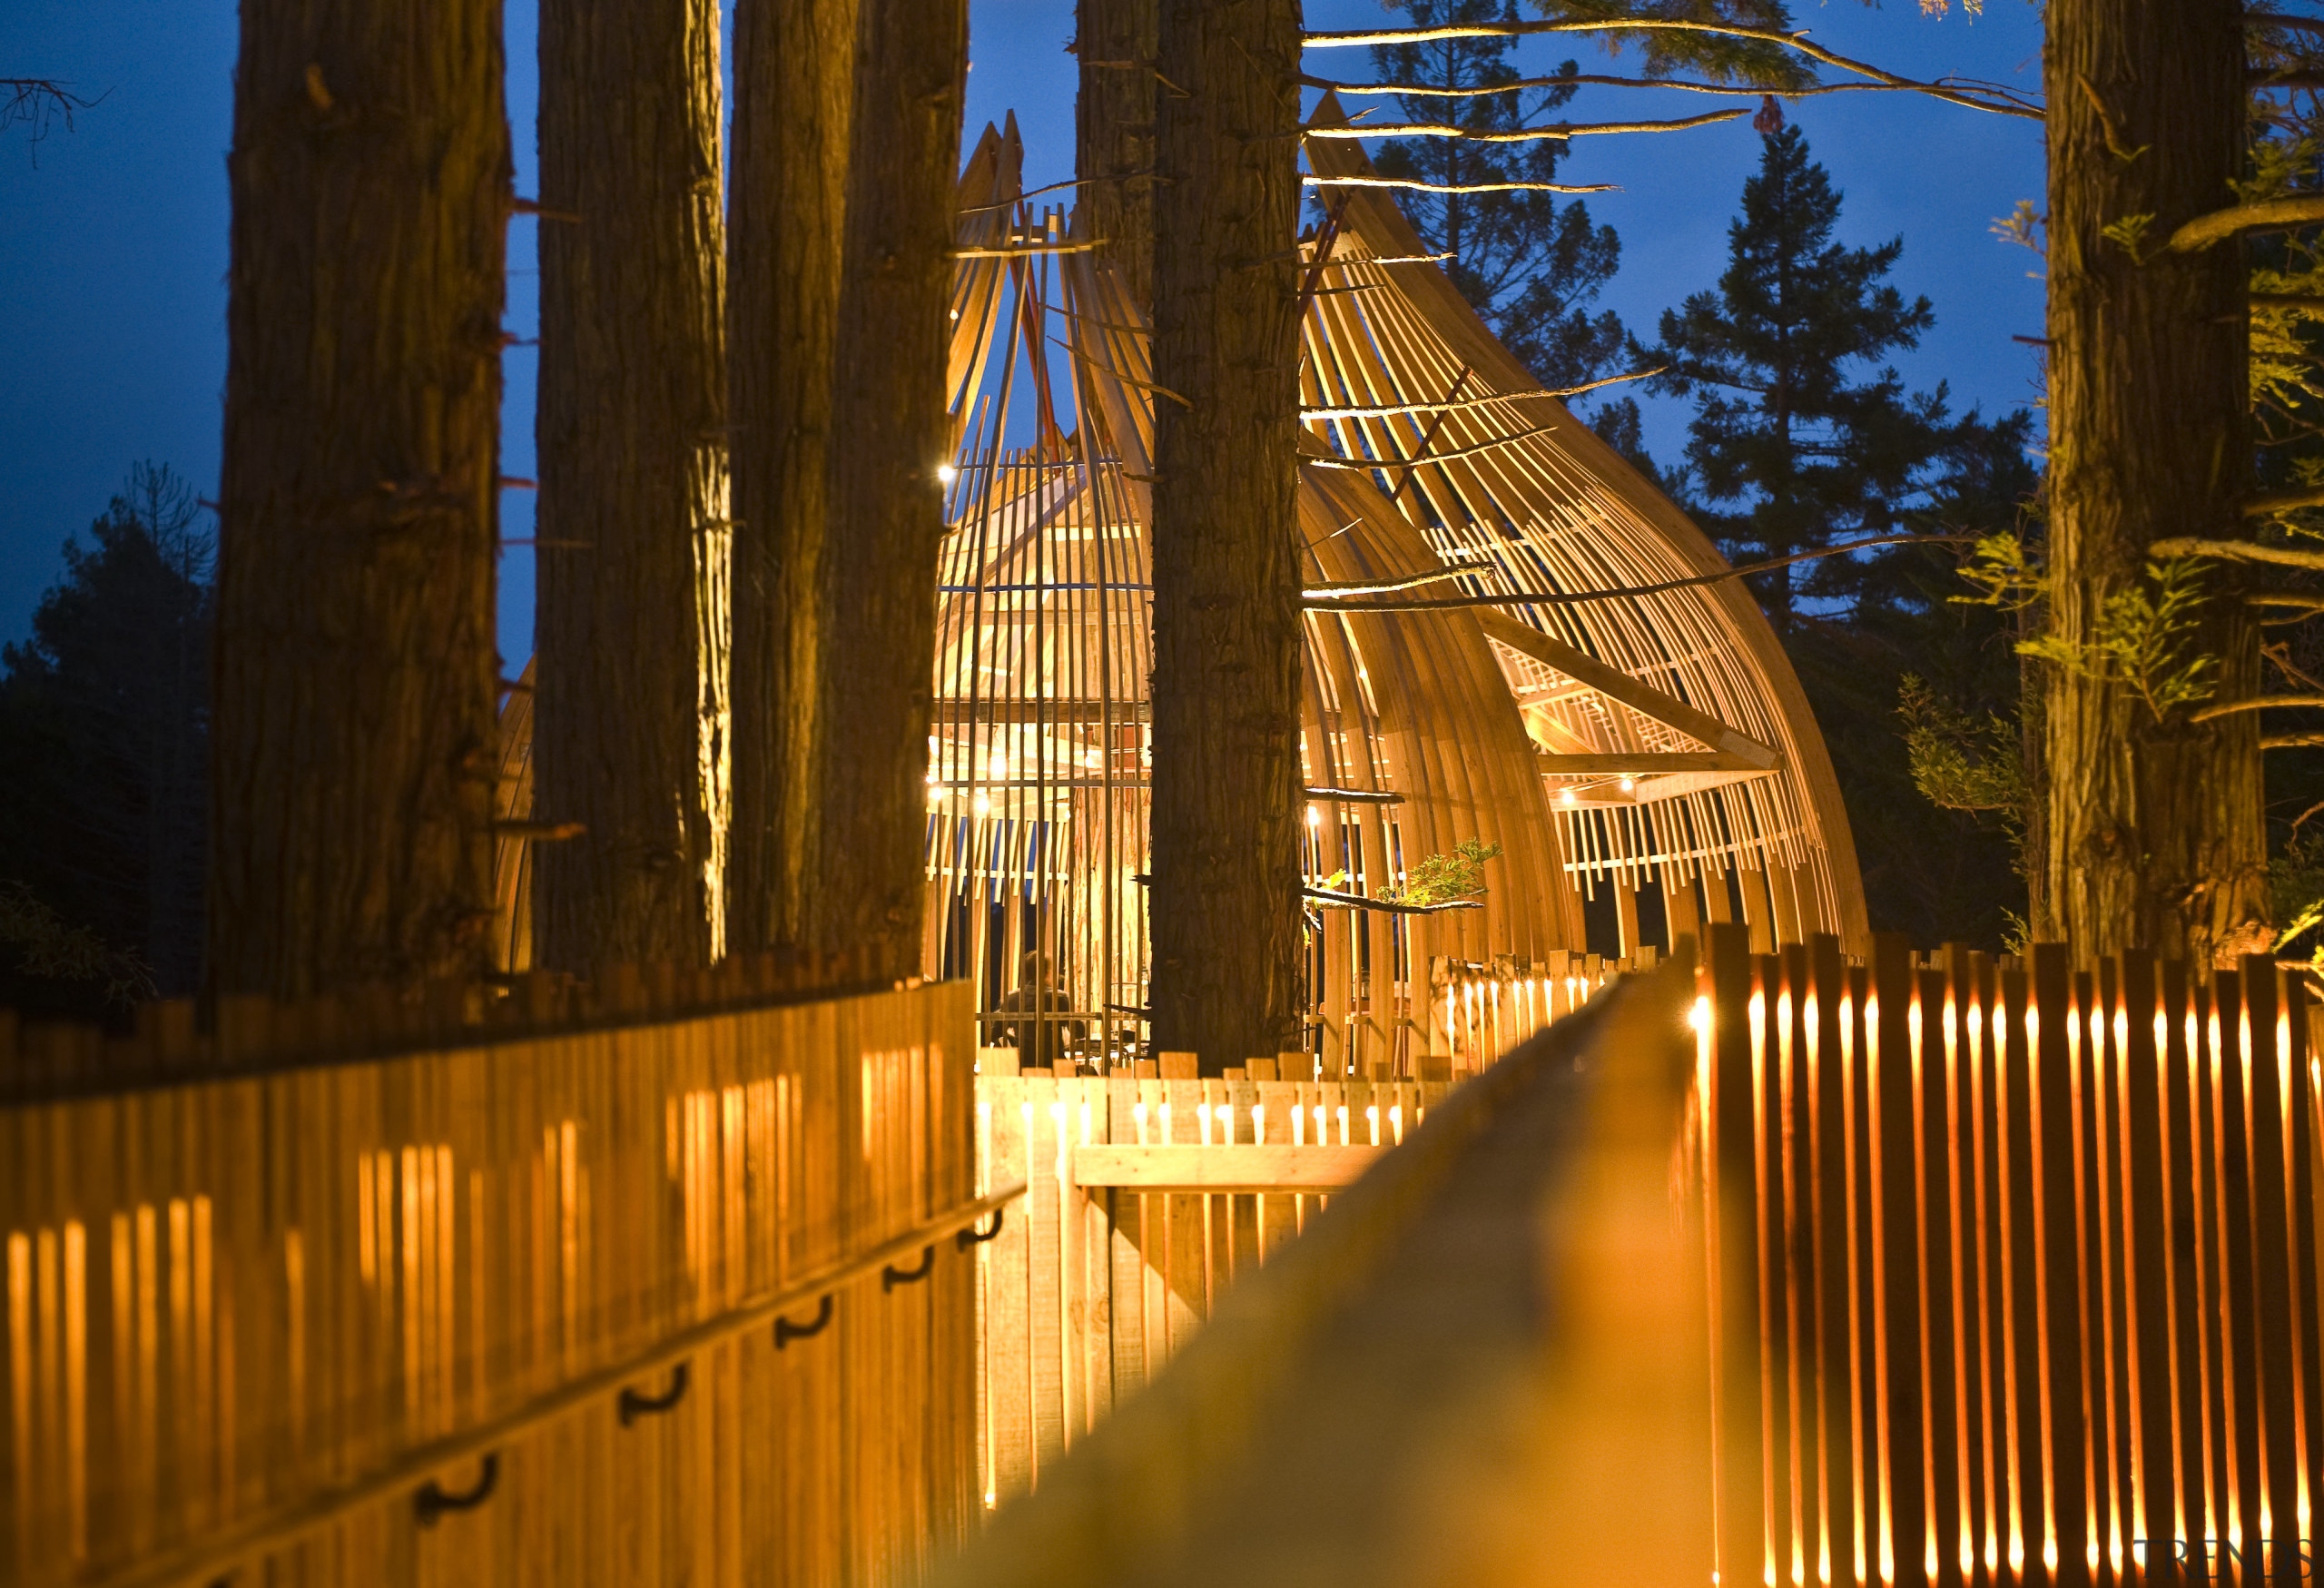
(981,805)
(1566,795)
(1315,817)
(1698,1017)
(946,474)
(999,766)
(1629,784)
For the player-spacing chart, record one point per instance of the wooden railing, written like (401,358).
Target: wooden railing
(1368,1406)
(1150,1190)
(2019,1268)
(1935,1270)
(617,1296)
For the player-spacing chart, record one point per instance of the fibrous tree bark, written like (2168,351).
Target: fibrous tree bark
(629,734)
(876,587)
(1224,899)
(2154,822)
(1114,132)
(354,748)
(795,93)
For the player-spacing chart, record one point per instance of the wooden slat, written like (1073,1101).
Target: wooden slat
(1240,1168)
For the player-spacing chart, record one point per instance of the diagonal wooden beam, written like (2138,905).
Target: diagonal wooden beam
(1748,754)
(1646,763)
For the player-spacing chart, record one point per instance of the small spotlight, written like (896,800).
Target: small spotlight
(1315,817)
(946,474)
(1565,796)
(999,765)
(1629,784)
(982,805)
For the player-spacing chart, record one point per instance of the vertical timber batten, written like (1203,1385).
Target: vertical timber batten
(355,731)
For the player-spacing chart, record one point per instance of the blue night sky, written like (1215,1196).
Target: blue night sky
(113,236)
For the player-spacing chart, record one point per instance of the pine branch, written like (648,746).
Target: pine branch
(2268,215)
(1797,41)
(1519,135)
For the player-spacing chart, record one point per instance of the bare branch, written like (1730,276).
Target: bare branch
(1366,464)
(2290,557)
(1358,902)
(1520,134)
(1970,86)
(1022,250)
(2011,106)
(1456,187)
(2256,703)
(2268,215)
(1624,592)
(1395,410)
(37,102)
(2290,740)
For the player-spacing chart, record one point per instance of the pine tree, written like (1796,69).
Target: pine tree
(104,732)
(1803,437)
(1794,446)
(1529,265)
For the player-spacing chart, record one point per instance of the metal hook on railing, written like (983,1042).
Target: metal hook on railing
(635,1406)
(786,1331)
(973,1236)
(433,1501)
(891,1276)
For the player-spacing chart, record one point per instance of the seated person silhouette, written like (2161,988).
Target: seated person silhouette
(1037,1041)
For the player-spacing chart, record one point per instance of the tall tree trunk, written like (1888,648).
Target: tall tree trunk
(2154,826)
(795,94)
(877,598)
(1114,132)
(629,725)
(355,733)
(1224,896)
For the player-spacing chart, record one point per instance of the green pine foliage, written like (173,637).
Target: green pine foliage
(1805,437)
(103,729)
(1802,436)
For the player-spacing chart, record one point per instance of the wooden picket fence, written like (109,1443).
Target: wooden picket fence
(588,1290)
(2018,1268)
(1151,1190)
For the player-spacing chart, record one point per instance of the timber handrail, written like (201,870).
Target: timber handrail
(209,1560)
(1487,1353)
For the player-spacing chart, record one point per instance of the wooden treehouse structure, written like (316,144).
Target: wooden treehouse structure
(1635,744)
(1632,738)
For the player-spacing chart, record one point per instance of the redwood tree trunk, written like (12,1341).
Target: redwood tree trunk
(2154,827)
(877,578)
(795,93)
(629,736)
(354,746)
(1225,895)
(1114,132)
